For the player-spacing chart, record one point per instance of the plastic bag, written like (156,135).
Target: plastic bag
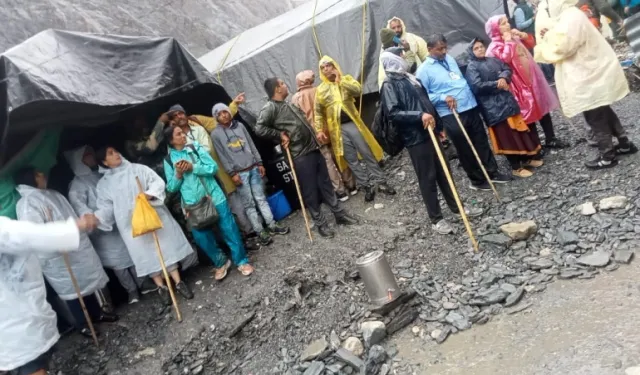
(145,219)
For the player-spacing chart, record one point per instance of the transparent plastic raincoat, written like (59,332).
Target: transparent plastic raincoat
(83,197)
(41,206)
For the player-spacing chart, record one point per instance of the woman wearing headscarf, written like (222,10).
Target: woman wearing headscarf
(528,84)
(406,104)
(489,79)
(589,77)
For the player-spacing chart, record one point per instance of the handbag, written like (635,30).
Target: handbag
(202,214)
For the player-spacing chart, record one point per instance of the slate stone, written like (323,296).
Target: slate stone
(347,357)
(514,297)
(623,256)
(520,231)
(489,297)
(316,368)
(444,334)
(541,263)
(497,239)
(314,350)
(567,238)
(458,321)
(375,359)
(402,320)
(595,259)
(508,287)
(373,333)
(517,309)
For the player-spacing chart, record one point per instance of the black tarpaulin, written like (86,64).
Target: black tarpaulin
(286,45)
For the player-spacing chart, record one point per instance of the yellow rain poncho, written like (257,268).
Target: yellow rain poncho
(417,53)
(588,73)
(331,100)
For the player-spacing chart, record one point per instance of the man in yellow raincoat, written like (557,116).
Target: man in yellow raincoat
(589,77)
(415,47)
(350,137)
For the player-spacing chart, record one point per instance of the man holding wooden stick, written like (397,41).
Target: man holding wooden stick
(283,122)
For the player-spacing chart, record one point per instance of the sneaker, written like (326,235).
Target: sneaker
(246,269)
(386,189)
(184,290)
(86,332)
(500,178)
(600,163)
(534,163)
(221,273)
(442,227)
(106,317)
(165,297)
(592,142)
(628,149)
(326,231)
(482,186)
(279,229)
(353,191)
(555,143)
(471,212)
(134,297)
(522,173)
(265,238)
(148,287)
(343,197)
(252,244)
(347,219)
(369,194)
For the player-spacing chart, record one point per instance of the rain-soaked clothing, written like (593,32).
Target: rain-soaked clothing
(416,54)
(41,206)
(117,191)
(28,324)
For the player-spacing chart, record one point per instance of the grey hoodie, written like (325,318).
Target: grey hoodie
(235,148)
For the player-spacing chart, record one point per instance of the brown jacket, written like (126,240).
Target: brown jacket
(306,95)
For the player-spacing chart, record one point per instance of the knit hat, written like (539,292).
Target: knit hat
(176,108)
(386,37)
(215,111)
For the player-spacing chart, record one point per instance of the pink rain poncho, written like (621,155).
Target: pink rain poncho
(529,86)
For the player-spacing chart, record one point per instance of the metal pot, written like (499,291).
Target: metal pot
(379,282)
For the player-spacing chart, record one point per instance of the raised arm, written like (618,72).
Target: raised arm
(19,237)
(350,86)
(173,182)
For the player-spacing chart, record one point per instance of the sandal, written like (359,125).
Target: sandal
(221,273)
(533,163)
(522,173)
(246,269)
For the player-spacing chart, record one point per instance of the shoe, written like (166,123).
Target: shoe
(534,163)
(106,317)
(386,189)
(148,287)
(326,231)
(86,332)
(252,244)
(600,163)
(482,186)
(184,290)
(442,227)
(221,273)
(522,173)
(353,191)
(555,143)
(628,149)
(265,238)
(279,229)
(369,194)
(134,297)
(343,197)
(347,219)
(246,269)
(165,297)
(500,178)
(592,142)
(471,212)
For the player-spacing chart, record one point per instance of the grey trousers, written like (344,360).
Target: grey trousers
(129,279)
(367,172)
(237,208)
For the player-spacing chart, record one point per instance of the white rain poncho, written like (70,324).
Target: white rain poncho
(117,191)
(41,206)
(27,322)
(83,197)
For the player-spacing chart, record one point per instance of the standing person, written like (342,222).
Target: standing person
(335,106)
(242,161)
(408,107)
(588,77)
(489,79)
(40,205)
(190,170)
(524,17)
(396,35)
(285,123)
(449,91)
(28,323)
(304,98)
(117,192)
(528,84)
(631,7)
(593,9)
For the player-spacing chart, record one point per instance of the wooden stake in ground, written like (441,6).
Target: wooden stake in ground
(295,180)
(167,279)
(447,173)
(484,171)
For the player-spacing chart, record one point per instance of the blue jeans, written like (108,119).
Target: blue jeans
(230,234)
(251,193)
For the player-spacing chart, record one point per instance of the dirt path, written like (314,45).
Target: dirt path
(575,327)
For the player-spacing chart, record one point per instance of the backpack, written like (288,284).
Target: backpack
(385,132)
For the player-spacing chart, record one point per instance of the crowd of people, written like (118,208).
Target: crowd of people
(498,102)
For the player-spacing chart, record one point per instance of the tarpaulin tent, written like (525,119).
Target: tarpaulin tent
(62,79)
(287,44)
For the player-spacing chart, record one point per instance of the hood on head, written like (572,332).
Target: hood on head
(25,190)
(326,59)
(492,27)
(404,28)
(557,7)
(391,62)
(472,56)
(109,171)
(74,158)
(305,78)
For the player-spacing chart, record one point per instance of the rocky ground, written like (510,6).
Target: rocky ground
(305,301)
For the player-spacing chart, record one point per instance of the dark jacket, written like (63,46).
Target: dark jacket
(482,75)
(403,104)
(600,7)
(278,117)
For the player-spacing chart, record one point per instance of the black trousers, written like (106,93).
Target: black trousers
(93,307)
(475,128)
(605,124)
(547,127)
(431,175)
(316,187)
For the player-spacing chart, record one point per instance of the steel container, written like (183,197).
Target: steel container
(379,282)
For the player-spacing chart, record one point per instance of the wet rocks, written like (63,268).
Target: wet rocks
(514,297)
(519,231)
(497,239)
(623,256)
(616,202)
(354,345)
(587,209)
(489,296)
(596,259)
(316,368)
(375,359)
(540,263)
(457,320)
(314,350)
(567,238)
(373,333)
(349,358)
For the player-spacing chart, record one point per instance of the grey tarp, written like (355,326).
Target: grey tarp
(285,45)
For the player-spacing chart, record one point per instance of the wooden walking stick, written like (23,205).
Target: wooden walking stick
(484,171)
(295,180)
(167,279)
(447,173)
(74,281)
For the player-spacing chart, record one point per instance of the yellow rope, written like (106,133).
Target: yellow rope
(364,29)
(219,70)
(313,29)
